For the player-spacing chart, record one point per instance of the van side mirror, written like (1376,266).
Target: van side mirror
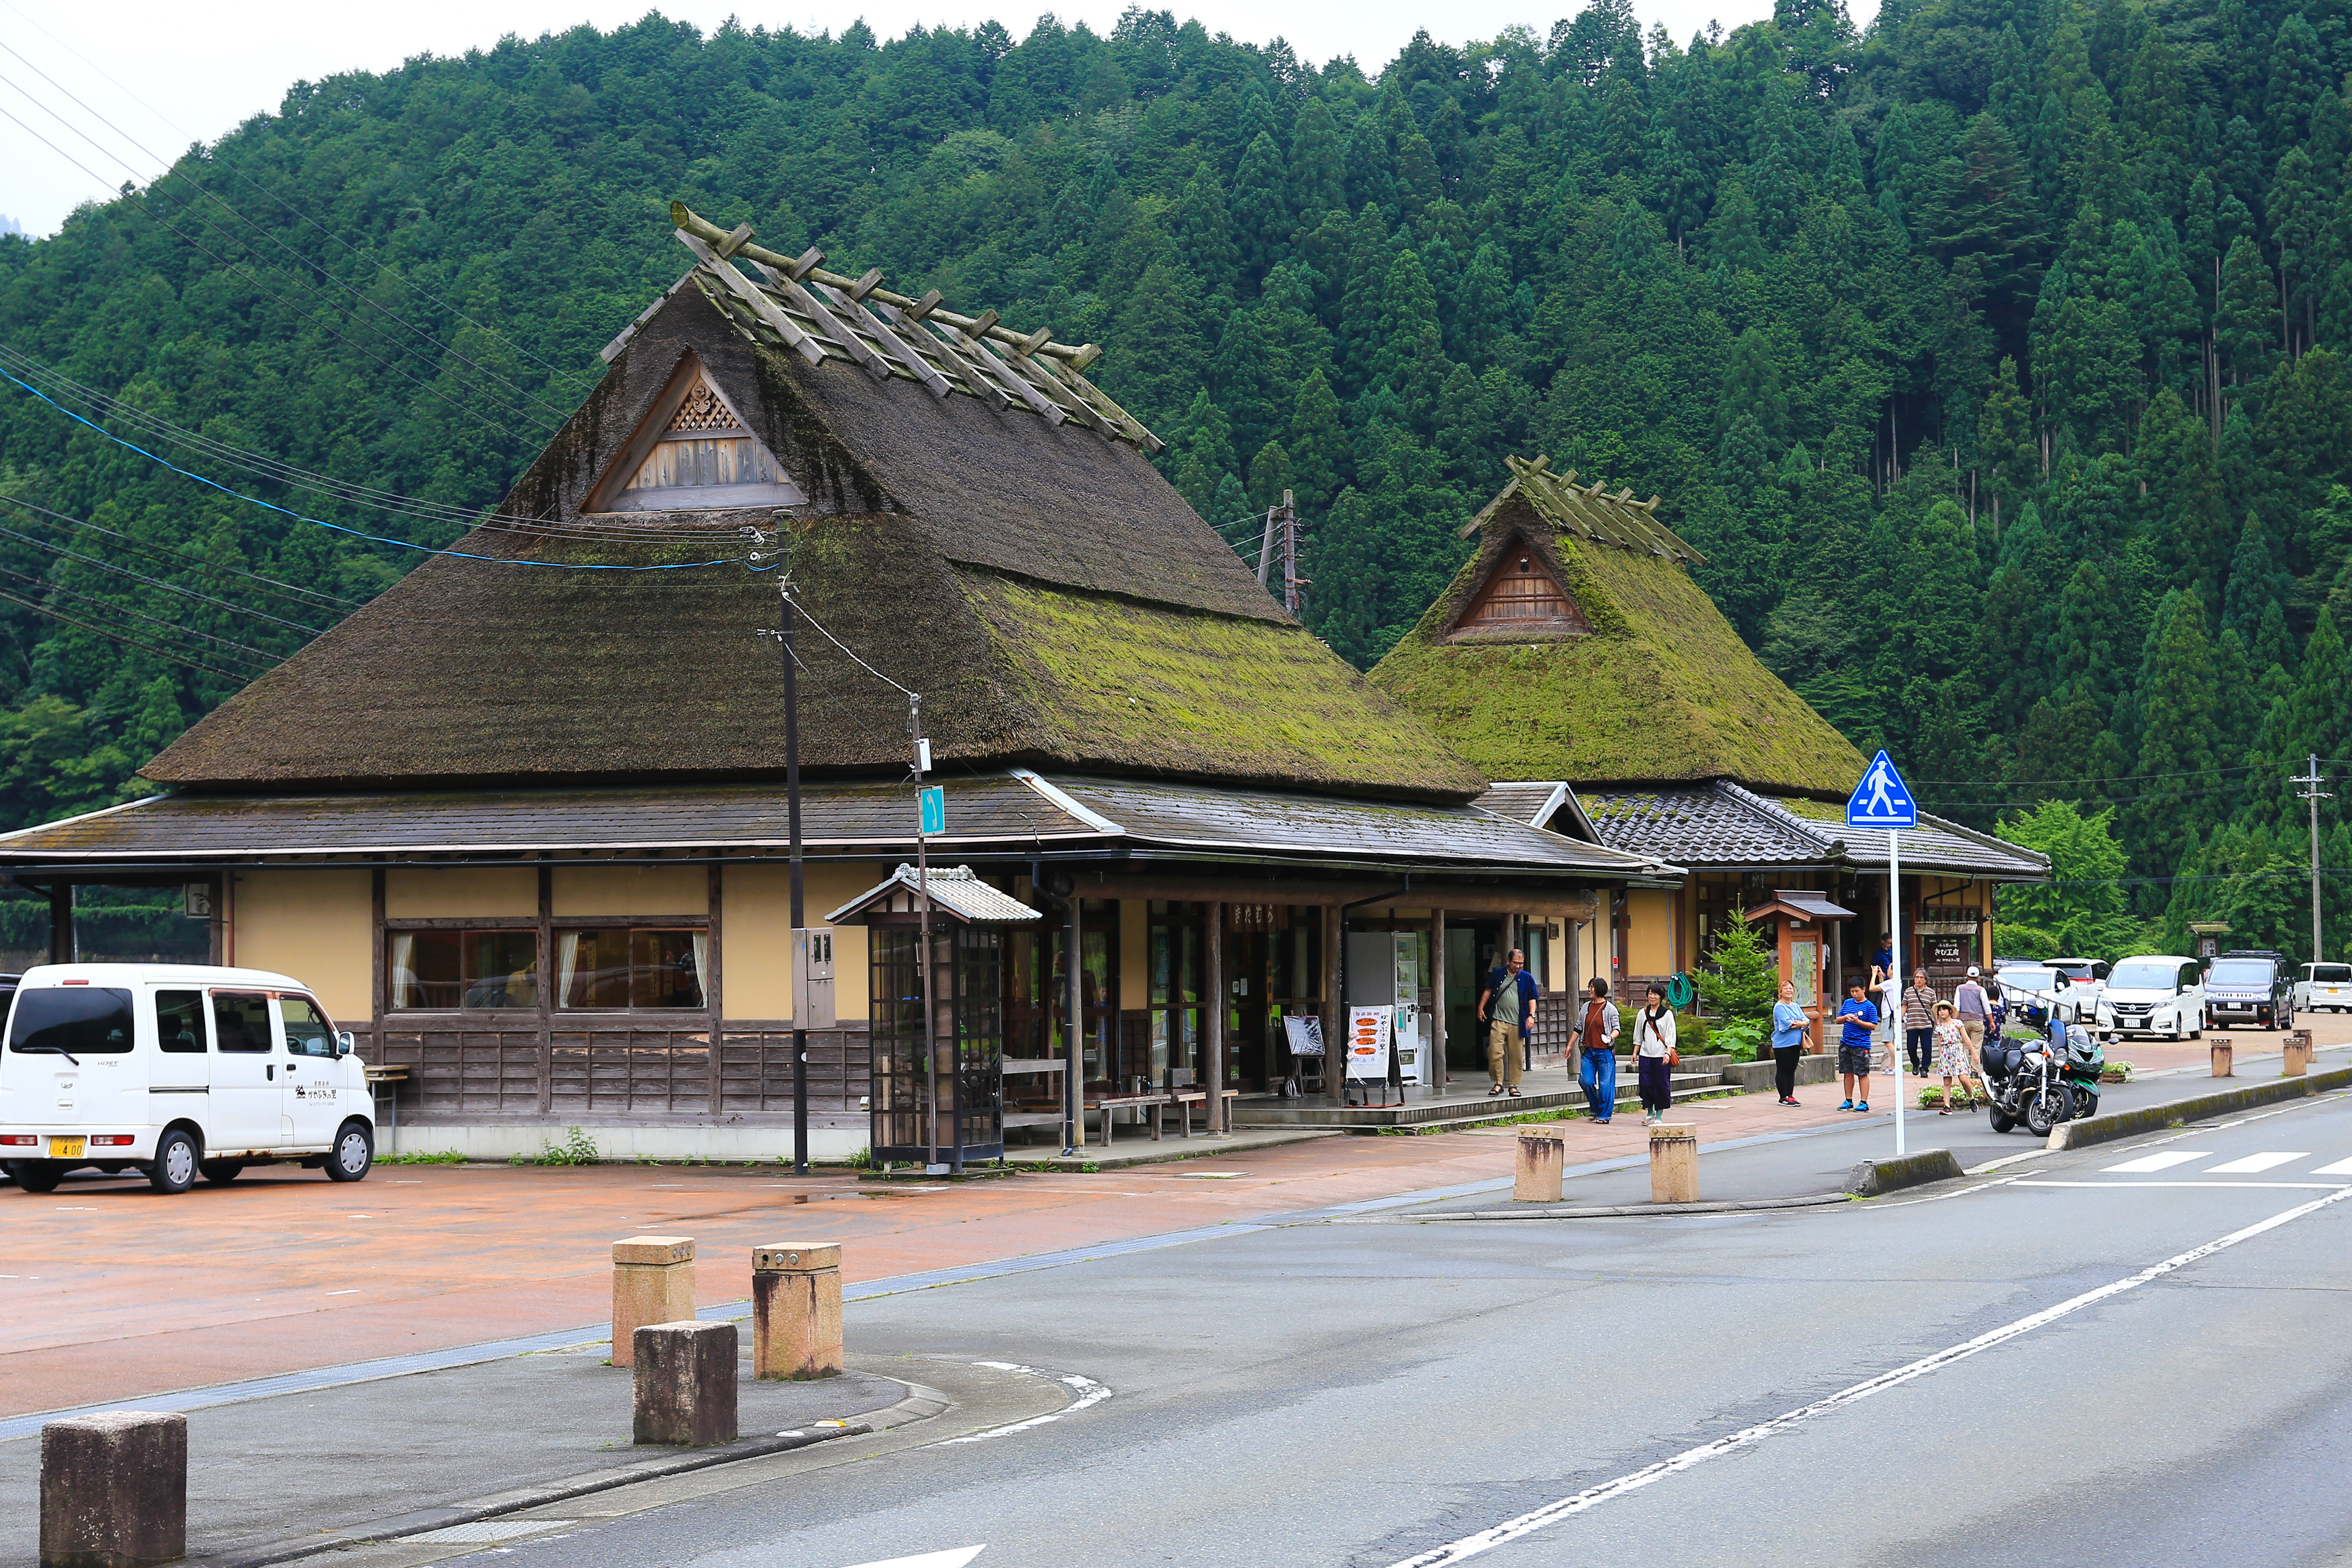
(344,1043)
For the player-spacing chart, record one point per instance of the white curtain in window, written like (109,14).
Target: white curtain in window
(567,948)
(702,966)
(406,992)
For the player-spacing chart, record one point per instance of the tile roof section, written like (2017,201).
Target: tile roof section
(1721,824)
(956,888)
(1000,812)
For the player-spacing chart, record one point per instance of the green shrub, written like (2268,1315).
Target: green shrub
(577,1149)
(1740,1041)
(438,1157)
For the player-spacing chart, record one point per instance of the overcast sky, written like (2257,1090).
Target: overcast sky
(167,73)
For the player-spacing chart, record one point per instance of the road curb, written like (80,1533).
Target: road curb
(1614,1210)
(2157,1117)
(1873,1178)
(920,1404)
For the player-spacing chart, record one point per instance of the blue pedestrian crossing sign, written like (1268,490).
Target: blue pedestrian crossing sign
(1881,799)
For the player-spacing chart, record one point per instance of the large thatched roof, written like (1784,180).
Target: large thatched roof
(1013,556)
(1612,667)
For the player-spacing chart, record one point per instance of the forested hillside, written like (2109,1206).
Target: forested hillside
(1994,355)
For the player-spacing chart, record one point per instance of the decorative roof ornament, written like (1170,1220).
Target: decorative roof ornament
(1586,511)
(795,302)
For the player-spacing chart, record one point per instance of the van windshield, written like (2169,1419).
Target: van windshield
(2240,971)
(80,1020)
(2144,976)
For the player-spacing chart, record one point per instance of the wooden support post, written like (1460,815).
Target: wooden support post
(1220,1005)
(1438,1076)
(61,922)
(1335,1008)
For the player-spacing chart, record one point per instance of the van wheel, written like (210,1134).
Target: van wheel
(37,1176)
(354,1152)
(221,1172)
(177,1161)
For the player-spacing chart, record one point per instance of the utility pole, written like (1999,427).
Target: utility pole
(799,954)
(1266,544)
(1291,581)
(2311,792)
(923,942)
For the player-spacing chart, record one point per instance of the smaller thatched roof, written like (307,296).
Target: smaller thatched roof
(1575,646)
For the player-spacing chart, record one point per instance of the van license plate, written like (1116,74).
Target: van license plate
(64,1148)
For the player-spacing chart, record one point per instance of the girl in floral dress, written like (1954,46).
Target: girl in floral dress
(1952,1058)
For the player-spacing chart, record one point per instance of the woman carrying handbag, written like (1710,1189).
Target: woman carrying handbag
(1654,1056)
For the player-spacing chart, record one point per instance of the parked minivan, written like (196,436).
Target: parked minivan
(2155,994)
(176,1071)
(2324,986)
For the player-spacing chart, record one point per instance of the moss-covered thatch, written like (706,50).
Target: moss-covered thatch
(1662,689)
(1051,597)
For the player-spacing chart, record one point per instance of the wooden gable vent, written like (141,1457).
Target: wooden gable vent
(693,451)
(1522,598)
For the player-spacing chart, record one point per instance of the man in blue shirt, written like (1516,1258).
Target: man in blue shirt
(1858,1020)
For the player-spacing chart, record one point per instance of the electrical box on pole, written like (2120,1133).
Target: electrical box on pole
(812,978)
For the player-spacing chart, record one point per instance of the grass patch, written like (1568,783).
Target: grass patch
(438,1157)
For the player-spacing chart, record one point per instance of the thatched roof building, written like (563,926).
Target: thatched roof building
(1575,657)
(970,514)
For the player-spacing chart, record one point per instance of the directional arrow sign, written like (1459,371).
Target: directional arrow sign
(954,1558)
(1881,799)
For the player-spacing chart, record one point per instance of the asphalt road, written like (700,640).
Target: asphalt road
(1374,1393)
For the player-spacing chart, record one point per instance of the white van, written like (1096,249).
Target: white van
(176,1070)
(2155,994)
(2328,986)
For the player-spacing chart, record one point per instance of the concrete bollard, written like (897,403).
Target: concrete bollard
(1542,1153)
(2296,1055)
(2225,1057)
(1673,1162)
(685,1383)
(653,1282)
(114,1490)
(796,1310)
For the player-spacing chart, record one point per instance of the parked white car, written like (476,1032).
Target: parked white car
(176,1071)
(2035,992)
(2155,994)
(2324,985)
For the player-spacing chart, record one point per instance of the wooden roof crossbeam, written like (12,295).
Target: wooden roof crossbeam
(922,369)
(1586,510)
(840,332)
(688,222)
(766,310)
(973,378)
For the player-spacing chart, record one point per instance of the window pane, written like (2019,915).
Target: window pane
(308,1033)
(241,1021)
(501,969)
(82,1020)
(594,968)
(180,1022)
(424,969)
(666,974)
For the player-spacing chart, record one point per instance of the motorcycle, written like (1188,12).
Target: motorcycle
(2025,1082)
(2082,1058)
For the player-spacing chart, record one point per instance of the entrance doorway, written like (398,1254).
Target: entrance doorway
(1472,951)
(1272,960)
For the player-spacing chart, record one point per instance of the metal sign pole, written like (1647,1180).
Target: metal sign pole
(923,949)
(800,954)
(1894,962)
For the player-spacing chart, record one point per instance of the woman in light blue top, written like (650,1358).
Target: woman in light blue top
(1789,1026)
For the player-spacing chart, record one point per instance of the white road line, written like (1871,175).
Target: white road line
(2161,1161)
(1087,1391)
(2313,1187)
(2341,1168)
(1528,1523)
(2269,1160)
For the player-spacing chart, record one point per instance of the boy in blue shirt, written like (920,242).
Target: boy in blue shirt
(1859,1021)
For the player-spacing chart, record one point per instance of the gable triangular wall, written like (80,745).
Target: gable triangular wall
(692,451)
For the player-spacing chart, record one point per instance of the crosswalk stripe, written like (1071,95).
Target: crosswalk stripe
(2341,1168)
(2264,1161)
(2160,1162)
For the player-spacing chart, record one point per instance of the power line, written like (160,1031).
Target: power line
(339,528)
(271,586)
(577,378)
(172,173)
(241,679)
(347,491)
(235,647)
(155,582)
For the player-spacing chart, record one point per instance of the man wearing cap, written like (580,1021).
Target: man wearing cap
(1975,1009)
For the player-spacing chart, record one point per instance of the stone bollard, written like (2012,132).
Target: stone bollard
(1673,1162)
(685,1383)
(1542,1153)
(2225,1057)
(653,1282)
(2296,1055)
(114,1490)
(796,1310)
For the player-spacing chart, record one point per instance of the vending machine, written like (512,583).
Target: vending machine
(1385,970)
